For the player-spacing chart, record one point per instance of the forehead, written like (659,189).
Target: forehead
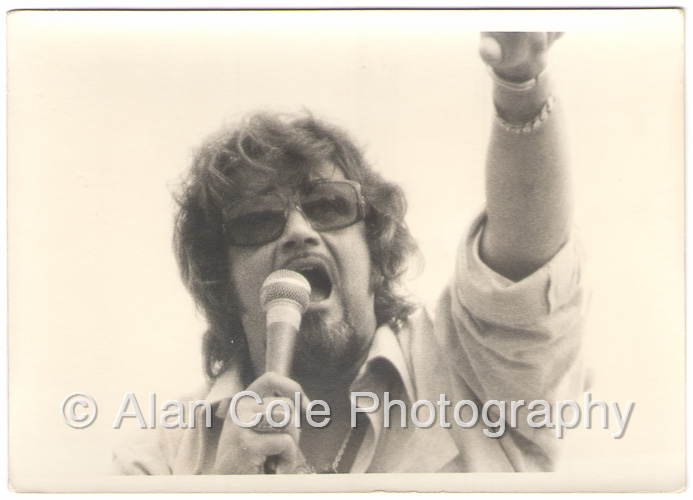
(326,170)
(290,179)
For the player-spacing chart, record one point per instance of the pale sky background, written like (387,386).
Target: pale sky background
(105,109)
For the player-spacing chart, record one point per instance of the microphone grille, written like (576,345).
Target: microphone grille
(287,285)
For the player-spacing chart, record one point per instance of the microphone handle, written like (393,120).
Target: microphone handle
(271,463)
(279,354)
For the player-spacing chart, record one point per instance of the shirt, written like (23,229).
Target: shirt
(492,340)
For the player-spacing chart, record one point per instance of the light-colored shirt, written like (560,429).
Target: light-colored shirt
(492,339)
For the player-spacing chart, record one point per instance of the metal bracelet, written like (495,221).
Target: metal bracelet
(530,126)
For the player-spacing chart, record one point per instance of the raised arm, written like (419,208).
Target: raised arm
(527,184)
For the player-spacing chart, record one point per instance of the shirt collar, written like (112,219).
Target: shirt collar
(226,385)
(384,346)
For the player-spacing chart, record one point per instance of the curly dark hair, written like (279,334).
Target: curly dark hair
(270,148)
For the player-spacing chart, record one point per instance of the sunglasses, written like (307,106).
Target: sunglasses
(326,205)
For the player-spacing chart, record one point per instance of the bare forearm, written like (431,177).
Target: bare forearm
(527,183)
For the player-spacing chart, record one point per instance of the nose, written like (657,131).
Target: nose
(298,232)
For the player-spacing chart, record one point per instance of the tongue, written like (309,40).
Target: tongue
(318,293)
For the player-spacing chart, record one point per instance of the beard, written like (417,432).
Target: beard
(327,348)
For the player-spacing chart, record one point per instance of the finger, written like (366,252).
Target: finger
(276,454)
(280,445)
(247,452)
(278,423)
(272,384)
(293,465)
(513,46)
(490,50)
(253,415)
(279,405)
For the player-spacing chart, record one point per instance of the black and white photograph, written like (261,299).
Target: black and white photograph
(331,250)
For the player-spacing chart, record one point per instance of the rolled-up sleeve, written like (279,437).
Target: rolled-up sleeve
(496,299)
(511,341)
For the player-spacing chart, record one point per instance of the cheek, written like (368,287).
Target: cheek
(366,274)
(248,268)
(364,253)
(357,266)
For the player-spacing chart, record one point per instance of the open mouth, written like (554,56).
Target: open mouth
(320,283)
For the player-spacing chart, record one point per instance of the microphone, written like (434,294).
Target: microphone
(284,297)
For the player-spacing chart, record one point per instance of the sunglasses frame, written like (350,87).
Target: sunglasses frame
(294,202)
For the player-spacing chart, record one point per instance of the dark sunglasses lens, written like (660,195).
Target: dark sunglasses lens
(256,220)
(331,205)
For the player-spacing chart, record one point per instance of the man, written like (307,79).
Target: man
(282,193)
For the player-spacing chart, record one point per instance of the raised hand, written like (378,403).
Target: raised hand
(516,56)
(528,200)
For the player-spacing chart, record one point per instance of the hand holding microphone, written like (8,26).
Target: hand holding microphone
(284,297)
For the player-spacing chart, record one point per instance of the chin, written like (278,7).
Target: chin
(323,348)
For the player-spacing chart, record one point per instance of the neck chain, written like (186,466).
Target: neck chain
(342,448)
(309,469)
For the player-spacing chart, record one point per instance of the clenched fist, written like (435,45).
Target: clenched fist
(516,56)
